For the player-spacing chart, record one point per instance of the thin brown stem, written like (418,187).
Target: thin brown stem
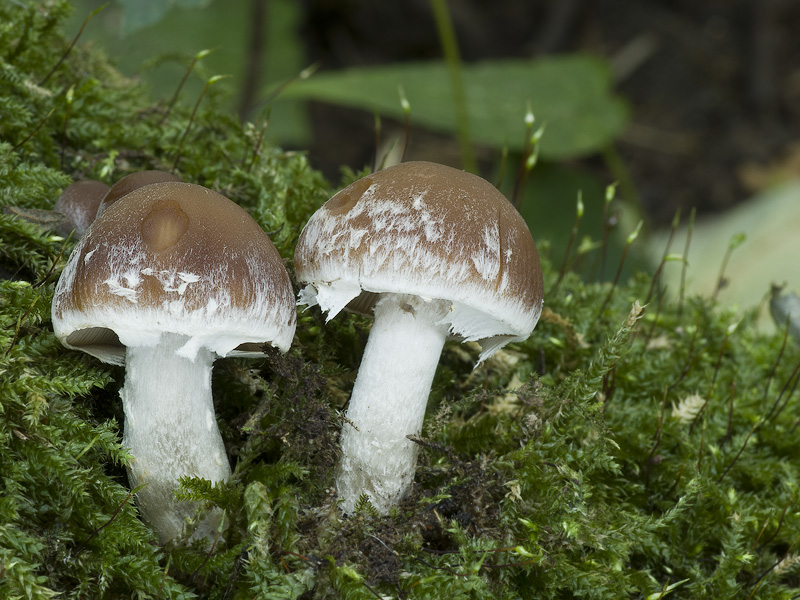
(44,279)
(191,118)
(780,523)
(259,141)
(657,275)
(700,450)
(686,260)
(677,481)
(562,272)
(690,360)
(374,593)
(32,133)
(18,327)
(610,192)
(210,552)
(304,74)
(777,406)
(657,439)
(72,45)
(738,454)
(631,238)
(526,151)
(768,571)
(659,307)
(164,576)
(778,359)
(503,165)
(189,69)
(713,379)
(527,166)
(729,432)
(755,542)
(69,97)
(377,161)
(735,241)
(80,548)
(406,106)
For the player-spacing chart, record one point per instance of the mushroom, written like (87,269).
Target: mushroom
(167,279)
(73,212)
(432,252)
(133,181)
(79,203)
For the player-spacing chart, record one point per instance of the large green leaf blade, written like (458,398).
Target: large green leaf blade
(572,94)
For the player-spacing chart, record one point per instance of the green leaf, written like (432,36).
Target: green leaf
(571,94)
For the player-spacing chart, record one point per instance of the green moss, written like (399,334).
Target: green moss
(634,453)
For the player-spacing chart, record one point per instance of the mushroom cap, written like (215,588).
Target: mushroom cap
(433,231)
(178,258)
(79,203)
(131,182)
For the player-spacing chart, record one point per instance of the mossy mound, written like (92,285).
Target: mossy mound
(621,452)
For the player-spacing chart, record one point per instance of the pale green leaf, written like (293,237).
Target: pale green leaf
(571,94)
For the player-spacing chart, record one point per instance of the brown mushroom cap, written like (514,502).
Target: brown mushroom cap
(79,203)
(132,182)
(433,231)
(180,258)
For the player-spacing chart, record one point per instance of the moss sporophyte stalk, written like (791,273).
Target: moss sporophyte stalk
(638,451)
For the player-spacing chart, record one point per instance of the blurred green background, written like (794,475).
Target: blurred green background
(684,105)
(261,46)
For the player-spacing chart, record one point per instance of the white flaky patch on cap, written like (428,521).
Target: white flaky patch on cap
(197,305)
(487,258)
(172,281)
(412,248)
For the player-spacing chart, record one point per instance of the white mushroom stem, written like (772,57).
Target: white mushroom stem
(388,400)
(171,432)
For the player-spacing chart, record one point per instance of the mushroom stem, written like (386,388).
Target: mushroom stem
(171,432)
(388,400)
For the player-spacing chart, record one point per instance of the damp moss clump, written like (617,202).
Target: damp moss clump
(623,451)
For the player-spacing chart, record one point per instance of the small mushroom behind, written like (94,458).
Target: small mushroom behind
(166,280)
(74,211)
(432,252)
(79,203)
(83,201)
(133,181)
